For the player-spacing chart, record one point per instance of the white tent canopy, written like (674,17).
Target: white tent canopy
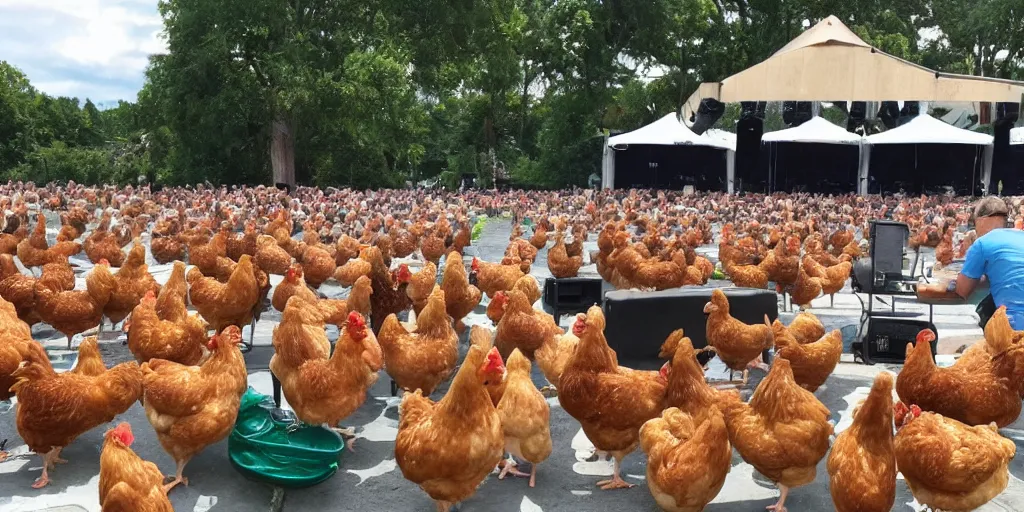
(817,130)
(1017,136)
(925,129)
(724,136)
(667,131)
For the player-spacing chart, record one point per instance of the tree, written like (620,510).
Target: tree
(983,37)
(17,112)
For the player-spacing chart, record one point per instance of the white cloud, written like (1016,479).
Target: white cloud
(94,49)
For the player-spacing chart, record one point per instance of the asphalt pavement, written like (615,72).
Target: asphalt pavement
(368,478)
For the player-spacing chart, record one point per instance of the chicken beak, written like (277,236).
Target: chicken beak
(708,307)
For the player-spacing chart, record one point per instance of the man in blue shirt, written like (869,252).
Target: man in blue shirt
(998,256)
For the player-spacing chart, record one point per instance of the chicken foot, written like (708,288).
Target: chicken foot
(49,459)
(509,467)
(780,506)
(348,434)
(178,478)
(616,481)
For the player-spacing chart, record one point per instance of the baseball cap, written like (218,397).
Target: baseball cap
(990,206)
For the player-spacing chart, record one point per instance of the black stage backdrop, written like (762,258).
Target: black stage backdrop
(670,167)
(807,167)
(925,168)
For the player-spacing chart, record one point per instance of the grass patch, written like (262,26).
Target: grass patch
(478,228)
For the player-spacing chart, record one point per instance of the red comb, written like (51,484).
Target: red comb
(925,336)
(494,362)
(123,433)
(580,325)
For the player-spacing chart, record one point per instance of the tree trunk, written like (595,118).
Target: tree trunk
(282,152)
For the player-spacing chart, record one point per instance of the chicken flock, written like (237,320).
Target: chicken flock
(190,373)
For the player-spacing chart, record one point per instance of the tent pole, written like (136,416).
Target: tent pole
(974,171)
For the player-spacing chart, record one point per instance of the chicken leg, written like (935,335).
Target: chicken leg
(780,506)
(444,506)
(616,481)
(56,458)
(756,363)
(49,459)
(178,478)
(348,434)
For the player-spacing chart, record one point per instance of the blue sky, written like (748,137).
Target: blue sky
(95,49)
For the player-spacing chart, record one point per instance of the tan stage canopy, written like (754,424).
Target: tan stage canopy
(828,62)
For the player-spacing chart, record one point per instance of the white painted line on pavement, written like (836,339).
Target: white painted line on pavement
(384,467)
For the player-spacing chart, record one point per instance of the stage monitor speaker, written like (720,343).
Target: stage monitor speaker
(637,323)
(572,295)
(886,339)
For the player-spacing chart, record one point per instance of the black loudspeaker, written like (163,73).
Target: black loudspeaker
(1007,112)
(708,113)
(1006,115)
(752,109)
(910,110)
(796,113)
(886,339)
(638,322)
(571,295)
(857,116)
(749,130)
(888,113)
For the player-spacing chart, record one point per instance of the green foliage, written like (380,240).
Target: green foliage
(381,93)
(478,228)
(59,162)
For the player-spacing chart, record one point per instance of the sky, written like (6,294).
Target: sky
(96,49)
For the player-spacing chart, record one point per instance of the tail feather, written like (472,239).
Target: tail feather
(668,348)
(390,329)
(413,409)
(482,337)
(770,340)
